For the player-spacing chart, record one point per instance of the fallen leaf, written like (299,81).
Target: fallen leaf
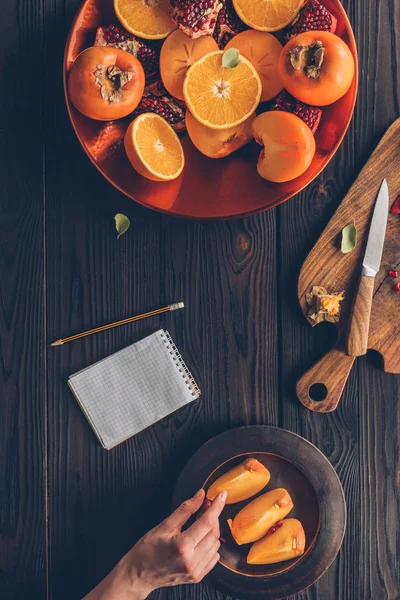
(122,224)
(231,58)
(349,238)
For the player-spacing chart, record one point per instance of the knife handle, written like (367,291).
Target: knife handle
(357,339)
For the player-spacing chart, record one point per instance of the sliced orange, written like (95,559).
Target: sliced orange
(267,15)
(221,97)
(178,53)
(145,18)
(263,51)
(153,148)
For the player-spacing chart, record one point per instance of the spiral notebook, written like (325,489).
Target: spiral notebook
(134,388)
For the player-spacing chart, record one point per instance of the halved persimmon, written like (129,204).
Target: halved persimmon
(288,146)
(217,143)
(178,53)
(241,482)
(316,67)
(153,148)
(105,83)
(263,50)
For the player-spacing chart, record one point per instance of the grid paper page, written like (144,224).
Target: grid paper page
(133,388)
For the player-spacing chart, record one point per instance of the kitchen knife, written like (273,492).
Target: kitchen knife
(357,339)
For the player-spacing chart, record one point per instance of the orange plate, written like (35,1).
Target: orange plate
(208,188)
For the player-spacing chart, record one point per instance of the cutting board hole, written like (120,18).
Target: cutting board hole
(318,392)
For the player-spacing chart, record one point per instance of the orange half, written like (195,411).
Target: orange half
(267,15)
(153,148)
(145,18)
(221,97)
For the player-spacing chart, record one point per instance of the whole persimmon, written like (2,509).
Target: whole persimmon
(316,67)
(289,146)
(106,83)
(218,143)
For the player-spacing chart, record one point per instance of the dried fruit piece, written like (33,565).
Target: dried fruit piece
(312,16)
(288,542)
(217,143)
(311,115)
(395,210)
(241,482)
(219,97)
(288,146)
(178,53)
(262,49)
(146,18)
(153,148)
(195,18)
(323,306)
(255,519)
(267,16)
(157,100)
(115,36)
(228,24)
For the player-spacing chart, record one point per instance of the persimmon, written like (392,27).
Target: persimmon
(285,542)
(262,49)
(243,481)
(217,143)
(256,518)
(316,67)
(178,53)
(106,83)
(289,145)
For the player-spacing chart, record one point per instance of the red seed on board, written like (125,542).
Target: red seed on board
(397,287)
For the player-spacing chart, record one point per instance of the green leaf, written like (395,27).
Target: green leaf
(122,224)
(231,58)
(349,238)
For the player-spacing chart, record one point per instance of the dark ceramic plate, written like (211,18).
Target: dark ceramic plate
(298,466)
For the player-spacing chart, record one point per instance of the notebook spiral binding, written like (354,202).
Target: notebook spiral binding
(182,368)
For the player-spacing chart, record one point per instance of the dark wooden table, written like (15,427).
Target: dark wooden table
(68,509)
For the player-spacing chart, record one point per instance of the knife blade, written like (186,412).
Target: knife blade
(377,232)
(357,339)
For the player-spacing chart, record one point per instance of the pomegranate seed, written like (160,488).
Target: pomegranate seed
(393,273)
(207,503)
(279,524)
(222,540)
(397,287)
(271,530)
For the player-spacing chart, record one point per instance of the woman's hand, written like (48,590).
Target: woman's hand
(166,556)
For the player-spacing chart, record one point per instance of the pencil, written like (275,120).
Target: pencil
(152,313)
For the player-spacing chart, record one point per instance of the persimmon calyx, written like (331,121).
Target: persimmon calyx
(111,80)
(308,59)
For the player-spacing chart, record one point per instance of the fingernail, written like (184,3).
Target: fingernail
(223,496)
(198,494)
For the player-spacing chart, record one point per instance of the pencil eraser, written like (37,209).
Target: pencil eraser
(177,305)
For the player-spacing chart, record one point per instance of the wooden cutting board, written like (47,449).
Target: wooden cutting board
(326,266)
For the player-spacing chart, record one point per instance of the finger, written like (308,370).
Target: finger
(201,573)
(208,542)
(207,521)
(183,513)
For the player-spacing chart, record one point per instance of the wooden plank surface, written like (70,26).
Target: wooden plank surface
(22,392)
(242,333)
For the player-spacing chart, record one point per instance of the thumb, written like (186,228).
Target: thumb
(183,513)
